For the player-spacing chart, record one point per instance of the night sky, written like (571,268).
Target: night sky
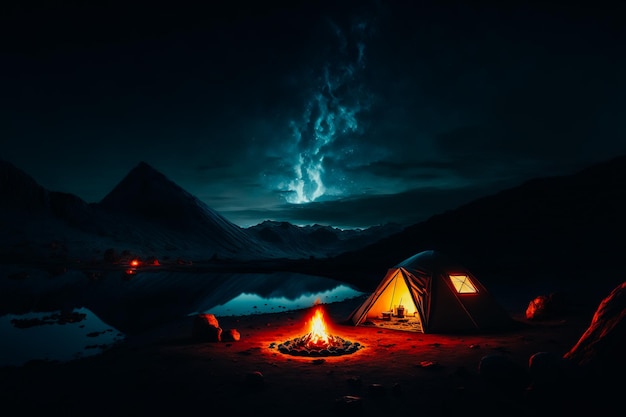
(349,114)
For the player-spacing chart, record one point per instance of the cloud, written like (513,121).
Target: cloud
(329,121)
(362,100)
(405,208)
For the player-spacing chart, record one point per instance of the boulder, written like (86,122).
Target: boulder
(546,307)
(349,404)
(538,308)
(206,328)
(502,372)
(231,335)
(601,347)
(584,378)
(548,369)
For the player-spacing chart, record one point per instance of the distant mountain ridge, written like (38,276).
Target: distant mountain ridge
(151,215)
(546,227)
(309,239)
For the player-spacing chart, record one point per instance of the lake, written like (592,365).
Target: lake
(78,316)
(51,337)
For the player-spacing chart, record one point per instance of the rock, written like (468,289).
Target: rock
(349,403)
(545,307)
(548,369)
(538,308)
(555,386)
(206,328)
(429,364)
(231,335)
(376,390)
(255,380)
(502,372)
(601,347)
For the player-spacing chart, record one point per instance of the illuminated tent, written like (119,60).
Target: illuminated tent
(427,293)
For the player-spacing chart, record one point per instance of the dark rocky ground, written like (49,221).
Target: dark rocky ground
(166,372)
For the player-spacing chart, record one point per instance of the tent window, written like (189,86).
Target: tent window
(463,284)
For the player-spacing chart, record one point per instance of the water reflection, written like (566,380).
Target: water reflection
(247,303)
(53,336)
(148,301)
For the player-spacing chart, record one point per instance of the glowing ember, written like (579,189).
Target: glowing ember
(318,342)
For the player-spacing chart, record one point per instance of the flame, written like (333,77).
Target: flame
(318,335)
(134,262)
(318,341)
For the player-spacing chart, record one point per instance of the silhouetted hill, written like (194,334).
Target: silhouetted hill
(19,190)
(568,227)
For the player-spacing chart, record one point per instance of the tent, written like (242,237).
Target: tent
(428,293)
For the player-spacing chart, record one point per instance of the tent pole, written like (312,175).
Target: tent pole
(395,282)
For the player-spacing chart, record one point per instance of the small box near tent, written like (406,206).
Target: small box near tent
(436,296)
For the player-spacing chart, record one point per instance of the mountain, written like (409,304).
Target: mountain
(318,240)
(148,215)
(147,196)
(569,227)
(546,228)
(37,223)
(19,191)
(145,214)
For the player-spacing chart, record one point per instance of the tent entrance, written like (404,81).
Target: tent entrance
(395,307)
(411,323)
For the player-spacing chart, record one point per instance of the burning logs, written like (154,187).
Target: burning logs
(318,342)
(301,346)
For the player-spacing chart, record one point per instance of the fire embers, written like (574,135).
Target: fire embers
(318,342)
(300,346)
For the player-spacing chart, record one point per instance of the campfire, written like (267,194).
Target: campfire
(318,341)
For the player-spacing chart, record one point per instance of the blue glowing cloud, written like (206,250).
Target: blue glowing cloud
(329,123)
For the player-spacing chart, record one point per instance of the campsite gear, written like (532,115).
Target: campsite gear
(436,296)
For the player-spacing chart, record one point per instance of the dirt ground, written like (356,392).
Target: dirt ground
(394,373)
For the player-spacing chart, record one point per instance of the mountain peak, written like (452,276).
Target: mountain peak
(140,188)
(144,166)
(147,194)
(145,171)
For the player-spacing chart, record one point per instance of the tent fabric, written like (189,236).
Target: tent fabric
(439,295)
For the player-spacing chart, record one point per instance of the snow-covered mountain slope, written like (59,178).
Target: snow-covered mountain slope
(318,240)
